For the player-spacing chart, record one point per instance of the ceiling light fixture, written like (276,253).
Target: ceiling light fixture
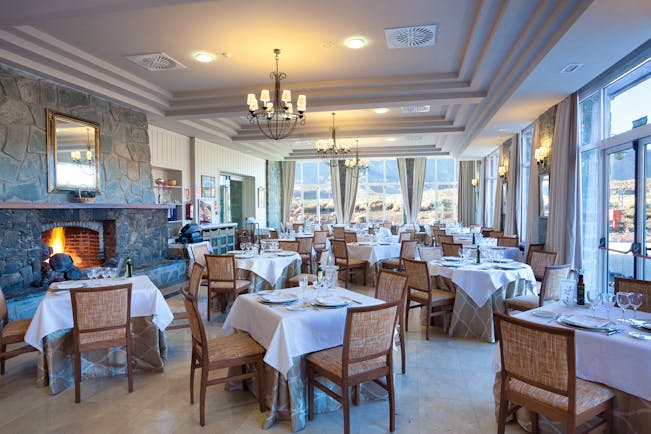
(381,110)
(276,118)
(330,149)
(391,139)
(204,57)
(357,162)
(355,43)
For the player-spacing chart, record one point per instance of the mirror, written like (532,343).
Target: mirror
(72,153)
(544,194)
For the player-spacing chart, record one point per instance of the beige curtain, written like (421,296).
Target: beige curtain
(497,209)
(510,216)
(404,188)
(563,184)
(335,183)
(466,193)
(533,207)
(287,176)
(411,172)
(420,165)
(350,193)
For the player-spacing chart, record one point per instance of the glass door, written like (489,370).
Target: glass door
(621,211)
(646,216)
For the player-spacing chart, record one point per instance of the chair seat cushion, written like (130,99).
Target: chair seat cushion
(294,279)
(177,306)
(352,262)
(588,395)
(16,329)
(439,297)
(330,361)
(232,347)
(240,285)
(522,302)
(306,257)
(391,263)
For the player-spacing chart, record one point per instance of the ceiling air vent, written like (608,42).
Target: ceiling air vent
(407,37)
(155,61)
(415,108)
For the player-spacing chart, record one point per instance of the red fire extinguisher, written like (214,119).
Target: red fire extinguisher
(189,211)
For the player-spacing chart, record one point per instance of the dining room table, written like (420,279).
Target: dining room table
(609,352)
(50,332)
(313,321)
(373,252)
(480,290)
(267,269)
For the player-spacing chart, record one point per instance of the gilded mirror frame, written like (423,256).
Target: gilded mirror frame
(85,160)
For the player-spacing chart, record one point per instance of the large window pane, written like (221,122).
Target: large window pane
(590,214)
(628,99)
(393,203)
(309,173)
(376,171)
(589,112)
(440,194)
(392,171)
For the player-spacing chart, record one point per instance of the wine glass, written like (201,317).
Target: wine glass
(462,253)
(623,301)
(302,284)
(594,298)
(242,246)
(636,299)
(609,302)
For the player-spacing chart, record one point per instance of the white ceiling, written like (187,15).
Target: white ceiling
(495,67)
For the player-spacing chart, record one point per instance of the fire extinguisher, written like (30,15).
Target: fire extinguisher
(189,211)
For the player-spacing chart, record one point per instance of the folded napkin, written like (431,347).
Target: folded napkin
(586,321)
(333,300)
(278,297)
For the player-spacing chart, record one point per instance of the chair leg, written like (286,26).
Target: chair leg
(534,423)
(345,401)
(310,392)
(202,396)
(347,277)
(245,387)
(356,392)
(408,303)
(129,365)
(501,422)
(3,349)
(77,357)
(608,417)
(403,350)
(392,402)
(192,368)
(427,326)
(259,366)
(208,306)
(364,274)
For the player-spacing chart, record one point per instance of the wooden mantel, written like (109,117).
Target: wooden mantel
(77,205)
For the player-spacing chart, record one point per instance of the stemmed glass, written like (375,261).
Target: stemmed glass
(242,246)
(92,273)
(623,301)
(302,284)
(462,253)
(609,302)
(594,298)
(636,299)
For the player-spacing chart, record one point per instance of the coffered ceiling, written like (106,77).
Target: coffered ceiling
(475,81)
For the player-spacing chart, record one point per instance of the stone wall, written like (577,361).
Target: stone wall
(125,172)
(274,194)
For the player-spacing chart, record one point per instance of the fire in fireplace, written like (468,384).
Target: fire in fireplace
(82,244)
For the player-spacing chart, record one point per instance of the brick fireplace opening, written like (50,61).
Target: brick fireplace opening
(88,243)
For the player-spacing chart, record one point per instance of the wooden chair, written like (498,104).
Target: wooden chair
(638,286)
(11,332)
(101,319)
(386,225)
(177,306)
(420,290)
(486,232)
(508,241)
(534,248)
(339,232)
(346,264)
(539,373)
(350,237)
(406,236)
(440,239)
(407,251)
(319,241)
(429,253)
(222,280)
(451,249)
(290,246)
(371,231)
(390,287)
(292,282)
(298,227)
(197,253)
(305,250)
(495,234)
(220,353)
(551,280)
(540,261)
(273,234)
(366,355)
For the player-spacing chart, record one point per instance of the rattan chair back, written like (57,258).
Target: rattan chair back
(290,246)
(538,247)
(508,241)
(320,237)
(451,249)
(440,239)
(417,275)
(298,227)
(339,250)
(429,253)
(273,234)
(550,288)
(540,261)
(305,245)
(350,237)
(405,236)
(638,286)
(197,251)
(339,232)
(391,286)
(221,268)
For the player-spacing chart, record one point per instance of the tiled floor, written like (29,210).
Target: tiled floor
(447,389)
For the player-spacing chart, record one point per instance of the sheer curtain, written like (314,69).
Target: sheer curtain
(287,176)
(350,193)
(466,192)
(562,225)
(411,172)
(404,188)
(533,208)
(510,222)
(420,165)
(497,209)
(344,190)
(337,196)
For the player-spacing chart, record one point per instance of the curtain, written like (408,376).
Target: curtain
(404,188)
(420,165)
(337,196)
(288,172)
(497,209)
(466,192)
(510,222)
(563,185)
(533,207)
(350,193)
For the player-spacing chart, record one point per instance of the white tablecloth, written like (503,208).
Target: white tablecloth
(269,266)
(618,361)
(480,281)
(287,334)
(55,311)
(373,252)
(380,238)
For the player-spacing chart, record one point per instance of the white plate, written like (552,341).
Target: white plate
(638,335)
(273,250)
(332,301)
(451,259)
(298,308)
(285,253)
(543,313)
(68,284)
(503,261)
(510,266)
(279,298)
(584,321)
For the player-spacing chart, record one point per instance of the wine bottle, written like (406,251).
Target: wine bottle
(580,291)
(319,274)
(478,255)
(129,271)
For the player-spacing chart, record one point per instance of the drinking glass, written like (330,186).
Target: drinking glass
(242,246)
(636,299)
(302,284)
(594,298)
(623,301)
(462,253)
(609,302)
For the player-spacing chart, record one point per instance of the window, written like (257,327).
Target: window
(312,200)
(523,181)
(379,197)
(491,186)
(441,191)
(627,99)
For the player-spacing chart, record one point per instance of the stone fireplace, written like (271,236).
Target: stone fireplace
(88,243)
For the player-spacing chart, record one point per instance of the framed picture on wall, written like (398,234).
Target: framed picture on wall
(208,188)
(205,211)
(261,197)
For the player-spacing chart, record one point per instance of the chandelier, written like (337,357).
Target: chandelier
(330,149)
(357,162)
(85,161)
(275,117)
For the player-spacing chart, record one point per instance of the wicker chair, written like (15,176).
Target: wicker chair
(429,253)
(366,355)
(635,285)
(305,250)
(338,232)
(222,280)
(386,225)
(177,306)
(406,236)
(534,248)
(319,241)
(220,353)
(350,237)
(540,261)
(539,373)
(292,282)
(101,319)
(390,287)
(508,241)
(11,332)
(197,253)
(290,246)
(440,239)
(451,249)
(486,232)
(495,234)
(407,251)
(420,290)
(551,282)
(346,264)
(298,227)
(273,234)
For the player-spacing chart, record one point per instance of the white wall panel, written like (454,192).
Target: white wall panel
(171,151)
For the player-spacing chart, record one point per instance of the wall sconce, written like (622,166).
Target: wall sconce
(474,182)
(542,159)
(502,171)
